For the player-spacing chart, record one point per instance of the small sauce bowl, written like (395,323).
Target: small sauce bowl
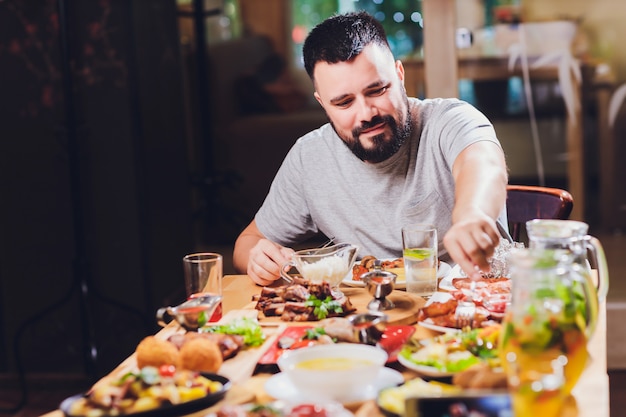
(379,284)
(369,327)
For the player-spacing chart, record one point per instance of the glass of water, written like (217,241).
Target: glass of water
(419,250)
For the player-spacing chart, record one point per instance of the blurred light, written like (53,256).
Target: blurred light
(400,35)
(229,9)
(417,18)
(398,17)
(380,16)
(298,34)
(378,1)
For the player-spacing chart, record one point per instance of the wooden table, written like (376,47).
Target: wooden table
(591,394)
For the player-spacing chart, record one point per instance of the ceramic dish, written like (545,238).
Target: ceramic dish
(391,341)
(167,410)
(280,387)
(451,353)
(423,370)
(391,401)
(285,408)
(442,271)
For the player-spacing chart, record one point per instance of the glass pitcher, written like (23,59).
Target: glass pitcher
(543,342)
(572,236)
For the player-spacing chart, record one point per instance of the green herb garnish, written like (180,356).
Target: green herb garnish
(313,334)
(323,307)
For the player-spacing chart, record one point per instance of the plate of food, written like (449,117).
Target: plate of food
(438,313)
(456,280)
(150,392)
(450,353)
(391,400)
(297,337)
(392,265)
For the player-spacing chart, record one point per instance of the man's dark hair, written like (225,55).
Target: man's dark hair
(341,38)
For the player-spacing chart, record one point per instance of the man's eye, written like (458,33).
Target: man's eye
(378,91)
(344,103)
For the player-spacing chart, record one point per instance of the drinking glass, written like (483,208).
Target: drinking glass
(419,250)
(203,277)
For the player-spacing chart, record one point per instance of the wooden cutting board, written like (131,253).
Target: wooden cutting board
(405,312)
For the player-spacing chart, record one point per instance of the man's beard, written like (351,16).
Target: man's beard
(383,148)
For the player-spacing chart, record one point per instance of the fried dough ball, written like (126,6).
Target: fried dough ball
(200,354)
(156,352)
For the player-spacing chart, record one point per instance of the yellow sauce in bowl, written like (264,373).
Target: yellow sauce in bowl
(332,364)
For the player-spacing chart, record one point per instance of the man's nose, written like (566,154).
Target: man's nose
(366,109)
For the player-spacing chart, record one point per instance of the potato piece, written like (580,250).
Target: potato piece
(145,404)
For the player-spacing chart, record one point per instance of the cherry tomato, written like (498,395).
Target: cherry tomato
(167,370)
(308,410)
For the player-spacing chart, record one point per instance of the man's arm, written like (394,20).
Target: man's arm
(259,257)
(480,178)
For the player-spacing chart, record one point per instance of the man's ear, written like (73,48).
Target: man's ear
(400,70)
(318,98)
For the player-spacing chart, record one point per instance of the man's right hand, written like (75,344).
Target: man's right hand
(259,257)
(265,261)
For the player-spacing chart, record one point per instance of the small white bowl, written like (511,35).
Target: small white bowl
(333,371)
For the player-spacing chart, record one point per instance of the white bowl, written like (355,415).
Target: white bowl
(334,371)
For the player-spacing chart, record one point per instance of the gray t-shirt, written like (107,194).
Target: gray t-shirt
(323,187)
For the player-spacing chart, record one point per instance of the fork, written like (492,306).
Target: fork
(329,242)
(466,309)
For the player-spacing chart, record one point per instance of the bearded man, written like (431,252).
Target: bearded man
(383,161)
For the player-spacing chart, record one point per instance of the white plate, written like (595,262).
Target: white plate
(429,371)
(442,271)
(332,409)
(438,297)
(280,387)
(446,282)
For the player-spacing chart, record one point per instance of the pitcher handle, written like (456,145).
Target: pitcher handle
(164,316)
(597,251)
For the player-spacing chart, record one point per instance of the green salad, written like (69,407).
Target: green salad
(455,352)
(249,328)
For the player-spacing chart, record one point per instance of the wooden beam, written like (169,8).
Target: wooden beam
(269,18)
(440,60)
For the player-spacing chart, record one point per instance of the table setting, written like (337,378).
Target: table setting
(308,346)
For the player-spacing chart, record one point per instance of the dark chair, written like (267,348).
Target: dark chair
(527,202)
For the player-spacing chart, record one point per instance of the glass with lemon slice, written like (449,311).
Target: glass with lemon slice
(419,243)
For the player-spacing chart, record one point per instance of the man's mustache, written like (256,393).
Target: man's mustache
(368,125)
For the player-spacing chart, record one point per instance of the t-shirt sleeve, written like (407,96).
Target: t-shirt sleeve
(461,125)
(284,215)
